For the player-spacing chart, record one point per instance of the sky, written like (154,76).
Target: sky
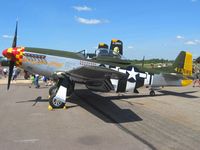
(150,28)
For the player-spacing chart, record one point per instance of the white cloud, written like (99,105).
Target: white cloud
(190,43)
(187,41)
(130,47)
(82,8)
(179,37)
(90,21)
(95,47)
(7,36)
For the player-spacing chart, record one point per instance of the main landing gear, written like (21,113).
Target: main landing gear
(55,103)
(60,92)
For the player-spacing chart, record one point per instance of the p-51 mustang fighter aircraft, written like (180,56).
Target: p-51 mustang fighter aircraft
(103,71)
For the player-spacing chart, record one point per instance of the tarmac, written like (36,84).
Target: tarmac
(99,121)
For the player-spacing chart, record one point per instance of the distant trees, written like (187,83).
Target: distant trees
(152,61)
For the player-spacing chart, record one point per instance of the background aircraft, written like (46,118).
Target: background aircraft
(104,71)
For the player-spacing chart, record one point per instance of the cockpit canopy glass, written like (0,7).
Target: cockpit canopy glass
(106,52)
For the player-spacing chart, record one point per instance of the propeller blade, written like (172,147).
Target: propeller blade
(11,66)
(14,44)
(12,63)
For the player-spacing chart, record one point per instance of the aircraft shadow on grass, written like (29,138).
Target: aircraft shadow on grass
(105,108)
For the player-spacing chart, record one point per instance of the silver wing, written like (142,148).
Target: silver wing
(96,78)
(86,73)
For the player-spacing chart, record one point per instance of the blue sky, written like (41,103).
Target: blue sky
(151,28)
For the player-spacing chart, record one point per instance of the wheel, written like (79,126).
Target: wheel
(53,90)
(55,103)
(152,93)
(102,65)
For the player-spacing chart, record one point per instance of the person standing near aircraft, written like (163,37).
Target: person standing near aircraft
(32,77)
(44,79)
(36,81)
(5,71)
(15,72)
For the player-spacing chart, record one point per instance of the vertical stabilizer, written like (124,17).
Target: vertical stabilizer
(183,63)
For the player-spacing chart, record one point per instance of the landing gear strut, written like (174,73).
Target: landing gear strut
(60,92)
(53,90)
(152,93)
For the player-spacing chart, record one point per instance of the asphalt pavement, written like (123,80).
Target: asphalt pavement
(98,121)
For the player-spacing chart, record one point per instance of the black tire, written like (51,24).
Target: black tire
(56,104)
(152,93)
(53,90)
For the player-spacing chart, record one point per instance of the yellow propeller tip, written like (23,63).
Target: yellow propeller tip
(65,107)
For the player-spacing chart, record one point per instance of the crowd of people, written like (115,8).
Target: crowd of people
(4,72)
(35,78)
(196,75)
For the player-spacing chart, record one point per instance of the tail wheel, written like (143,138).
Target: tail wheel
(55,103)
(152,93)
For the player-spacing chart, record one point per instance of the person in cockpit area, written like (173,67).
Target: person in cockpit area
(116,51)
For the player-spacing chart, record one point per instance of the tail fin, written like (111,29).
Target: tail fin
(117,43)
(183,63)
